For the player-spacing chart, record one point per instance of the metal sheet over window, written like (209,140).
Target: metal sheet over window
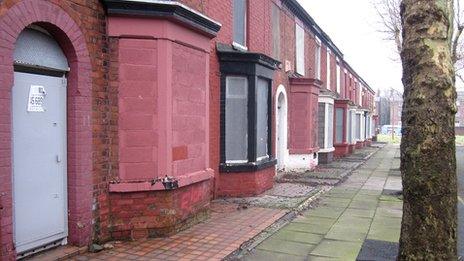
(240,22)
(300,53)
(358,126)
(38,49)
(330,118)
(262,102)
(236,136)
(339,125)
(275,31)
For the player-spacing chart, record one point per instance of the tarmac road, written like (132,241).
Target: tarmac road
(460,172)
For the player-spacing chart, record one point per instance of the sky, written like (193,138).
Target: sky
(354,28)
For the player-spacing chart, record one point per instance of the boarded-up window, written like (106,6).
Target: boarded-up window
(322,125)
(240,22)
(330,119)
(358,126)
(275,31)
(236,137)
(339,125)
(349,119)
(300,53)
(262,101)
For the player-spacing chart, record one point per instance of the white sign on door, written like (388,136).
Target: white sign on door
(36,99)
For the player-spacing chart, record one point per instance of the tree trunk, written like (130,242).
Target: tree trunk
(428,161)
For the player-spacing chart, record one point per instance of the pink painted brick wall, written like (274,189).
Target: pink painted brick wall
(137,109)
(189,110)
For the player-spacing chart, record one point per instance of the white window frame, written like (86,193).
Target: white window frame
(328,69)
(299,49)
(317,65)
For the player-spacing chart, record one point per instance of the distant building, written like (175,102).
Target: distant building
(460,114)
(389,104)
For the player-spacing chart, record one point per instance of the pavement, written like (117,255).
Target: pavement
(460,170)
(359,219)
(348,210)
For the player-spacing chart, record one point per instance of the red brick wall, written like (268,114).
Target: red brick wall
(245,184)
(158,213)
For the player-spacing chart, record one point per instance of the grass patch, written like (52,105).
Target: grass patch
(389,139)
(460,140)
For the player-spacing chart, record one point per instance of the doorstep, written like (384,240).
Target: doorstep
(59,253)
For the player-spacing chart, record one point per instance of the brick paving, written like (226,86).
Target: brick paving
(214,239)
(351,216)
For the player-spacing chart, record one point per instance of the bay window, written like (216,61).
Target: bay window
(246,80)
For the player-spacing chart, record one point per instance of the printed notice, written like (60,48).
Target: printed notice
(36,99)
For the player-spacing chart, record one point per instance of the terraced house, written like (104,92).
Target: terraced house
(123,119)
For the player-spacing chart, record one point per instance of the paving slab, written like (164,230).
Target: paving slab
(308,228)
(297,236)
(378,250)
(329,212)
(262,255)
(337,249)
(363,204)
(365,213)
(323,221)
(286,247)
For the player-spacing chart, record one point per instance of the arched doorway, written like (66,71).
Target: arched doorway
(282,127)
(39,142)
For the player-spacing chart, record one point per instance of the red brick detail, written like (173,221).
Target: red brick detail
(79,40)
(351,148)
(303,115)
(245,184)
(159,213)
(341,150)
(179,153)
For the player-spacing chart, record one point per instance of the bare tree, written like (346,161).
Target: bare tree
(428,161)
(389,13)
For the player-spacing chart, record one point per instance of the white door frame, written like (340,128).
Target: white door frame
(281,118)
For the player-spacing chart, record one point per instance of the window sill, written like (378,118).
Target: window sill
(247,167)
(139,186)
(239,47)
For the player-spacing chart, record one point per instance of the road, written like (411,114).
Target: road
(460,163)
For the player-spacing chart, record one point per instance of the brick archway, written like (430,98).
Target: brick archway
(71,39)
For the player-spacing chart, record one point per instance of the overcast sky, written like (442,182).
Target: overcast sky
(353,26)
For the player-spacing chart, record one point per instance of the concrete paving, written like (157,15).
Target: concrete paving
(460,163)
(356,215)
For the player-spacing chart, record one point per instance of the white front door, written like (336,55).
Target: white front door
(281,131)
(39,160)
